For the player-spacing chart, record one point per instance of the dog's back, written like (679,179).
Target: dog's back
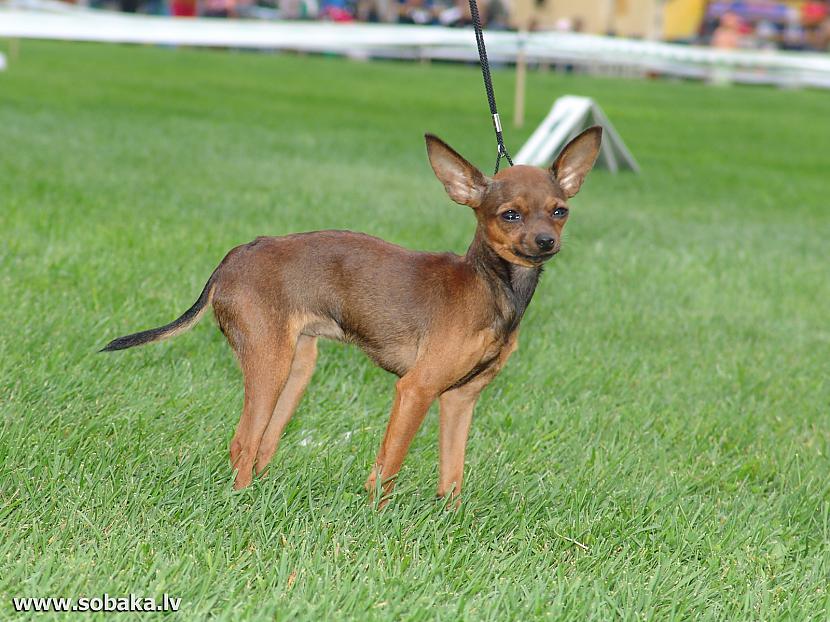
(350,287)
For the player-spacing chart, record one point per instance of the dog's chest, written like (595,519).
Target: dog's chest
(492,356)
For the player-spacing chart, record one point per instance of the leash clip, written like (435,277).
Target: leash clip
(497,123)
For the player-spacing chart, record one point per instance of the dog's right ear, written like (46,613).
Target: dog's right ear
(463,182)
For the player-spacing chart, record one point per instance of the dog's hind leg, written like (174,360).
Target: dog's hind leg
(302,367)
(266,363)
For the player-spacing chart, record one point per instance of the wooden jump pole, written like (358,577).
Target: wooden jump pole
(521,80)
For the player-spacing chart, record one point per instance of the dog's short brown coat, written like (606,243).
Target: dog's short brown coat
(445,324)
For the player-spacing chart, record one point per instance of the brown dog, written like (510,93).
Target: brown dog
(444,324)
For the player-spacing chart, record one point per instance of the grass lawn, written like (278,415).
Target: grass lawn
(668,408)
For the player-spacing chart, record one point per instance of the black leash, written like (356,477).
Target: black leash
(488,86)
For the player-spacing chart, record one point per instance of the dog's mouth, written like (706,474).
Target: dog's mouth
(538,259)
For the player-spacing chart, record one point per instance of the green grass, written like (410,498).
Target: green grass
(669,405)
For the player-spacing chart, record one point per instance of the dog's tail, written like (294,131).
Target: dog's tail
(185,322)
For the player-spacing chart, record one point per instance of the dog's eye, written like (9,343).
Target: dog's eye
(511,215)
(560,212)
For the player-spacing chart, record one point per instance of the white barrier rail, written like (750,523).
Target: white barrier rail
(65,22)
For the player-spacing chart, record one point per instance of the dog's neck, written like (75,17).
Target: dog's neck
(511,284)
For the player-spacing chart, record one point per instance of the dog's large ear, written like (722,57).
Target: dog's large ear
(463,182)
(576,160)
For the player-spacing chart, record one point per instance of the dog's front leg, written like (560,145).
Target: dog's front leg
(454,426)
(413,398)
(456,415)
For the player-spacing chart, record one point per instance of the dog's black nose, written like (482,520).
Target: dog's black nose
(545,242)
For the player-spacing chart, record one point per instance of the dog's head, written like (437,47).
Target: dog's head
(522,209)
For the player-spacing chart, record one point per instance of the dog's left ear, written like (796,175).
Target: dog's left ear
(463,182)
(576,160)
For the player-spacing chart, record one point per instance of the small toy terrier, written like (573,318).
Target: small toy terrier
(444,324)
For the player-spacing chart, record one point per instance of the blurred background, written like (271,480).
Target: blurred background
(753,41)
(746,24)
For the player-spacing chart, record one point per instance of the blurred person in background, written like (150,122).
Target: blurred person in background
(498,15)
(156,7)
(183,8)
(793,37)
(218,8)
(418,12)
(766,35)
(494,14)
(816,20)
(459,14)
(299,9)
(377,11)
(729,33)
(336,10)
